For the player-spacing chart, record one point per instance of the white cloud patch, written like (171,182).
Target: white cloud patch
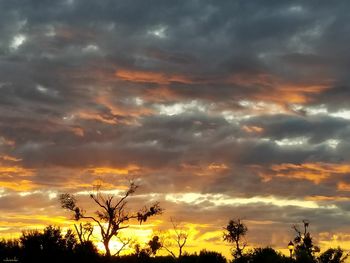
(91,48)
(17,41)
(158,32)
(221,199)
(180,108)
(292,141)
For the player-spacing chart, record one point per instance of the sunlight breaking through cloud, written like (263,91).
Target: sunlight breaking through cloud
(216,108)
(220,200)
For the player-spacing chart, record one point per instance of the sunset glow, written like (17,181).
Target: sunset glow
(216,109)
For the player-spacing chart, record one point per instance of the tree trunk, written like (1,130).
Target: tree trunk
(108,251)
(238,249)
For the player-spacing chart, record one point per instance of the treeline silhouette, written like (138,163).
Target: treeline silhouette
(52,245)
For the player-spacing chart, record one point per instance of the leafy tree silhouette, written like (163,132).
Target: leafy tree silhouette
(234,233)
(112,215)
(154,245)
(333,255)
(9,249)
(304,246)
(49,244)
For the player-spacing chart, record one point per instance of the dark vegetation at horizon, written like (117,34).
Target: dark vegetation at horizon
(51,245)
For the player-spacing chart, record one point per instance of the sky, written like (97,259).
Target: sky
(217,109)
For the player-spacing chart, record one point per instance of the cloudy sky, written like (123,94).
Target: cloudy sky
(218,109)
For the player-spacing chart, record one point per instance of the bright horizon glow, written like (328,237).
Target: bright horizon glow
(220,199)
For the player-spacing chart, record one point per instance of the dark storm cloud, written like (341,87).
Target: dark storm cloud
(80,24)
(206,41)
(316,128)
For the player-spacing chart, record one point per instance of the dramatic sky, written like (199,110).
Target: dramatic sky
(218,109)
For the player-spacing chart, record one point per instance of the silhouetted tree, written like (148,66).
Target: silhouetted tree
(84,231)
(234,233)
(47,245)
(112,215)
(154,245)
(177,236)
(9,249)
(70,240)
(333,255)
(128,241)
(142,254)
(304,247)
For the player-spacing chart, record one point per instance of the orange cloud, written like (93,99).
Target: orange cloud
(78,131)
(297,93)
(6,157)
(151,77)
(281,91)
(342,186)
(203,170)
(10,171)
(134,111)
(252,129)
(327,198)
(112,170)
(315,172)
(10,176)
(90,115)
(217,166)
(18,185)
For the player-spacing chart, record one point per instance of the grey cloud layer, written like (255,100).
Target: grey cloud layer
(160,84)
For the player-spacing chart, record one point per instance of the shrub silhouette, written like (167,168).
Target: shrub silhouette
(44,245)
(333,255)
(263,255)
(211,256)
(9,249)
(50,245)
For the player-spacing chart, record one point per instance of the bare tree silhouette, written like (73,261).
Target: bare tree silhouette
(84,231)
(177,236)
(112,215)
